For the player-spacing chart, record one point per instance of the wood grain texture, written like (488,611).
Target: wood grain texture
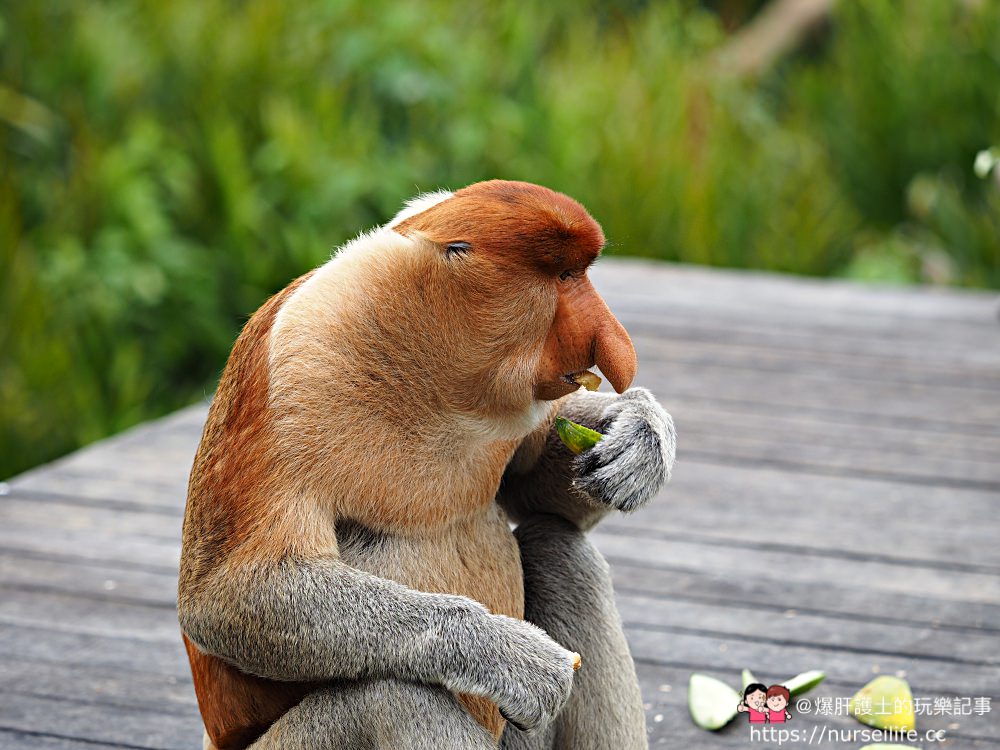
(833,506)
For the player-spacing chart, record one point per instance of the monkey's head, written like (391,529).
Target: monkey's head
(474,304)
(502,267)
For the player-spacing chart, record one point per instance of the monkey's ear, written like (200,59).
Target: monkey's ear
(457,248)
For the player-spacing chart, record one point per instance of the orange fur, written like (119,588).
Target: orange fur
(237,707)
(228,502)
(514,222)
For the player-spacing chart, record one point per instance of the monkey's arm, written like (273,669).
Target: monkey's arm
(623,471)
(319,619)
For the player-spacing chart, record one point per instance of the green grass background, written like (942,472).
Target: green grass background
(164,166)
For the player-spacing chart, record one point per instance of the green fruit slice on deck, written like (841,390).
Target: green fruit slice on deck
(712,703)
(747,678)
(886,703)
(800,683)
(577,437)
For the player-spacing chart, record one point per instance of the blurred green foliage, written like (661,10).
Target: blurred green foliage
(164,166)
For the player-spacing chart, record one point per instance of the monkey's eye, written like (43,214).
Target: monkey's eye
(565,276)
(457,248)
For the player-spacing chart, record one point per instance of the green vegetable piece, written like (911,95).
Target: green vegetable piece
(712,703)
(886,703)
(576,437)
(800,683)
(748,678)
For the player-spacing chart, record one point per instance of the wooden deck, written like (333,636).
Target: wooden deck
(834,506)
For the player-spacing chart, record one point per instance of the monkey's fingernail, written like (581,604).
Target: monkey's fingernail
(577,662)
(587,379)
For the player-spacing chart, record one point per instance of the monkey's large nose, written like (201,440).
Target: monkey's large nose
(584,333)
(614,353)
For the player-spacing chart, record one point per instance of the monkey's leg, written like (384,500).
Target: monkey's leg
(568,593)
(382,714)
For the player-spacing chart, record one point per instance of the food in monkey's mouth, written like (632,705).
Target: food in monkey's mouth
(577,661)
(576,437)
(587,379)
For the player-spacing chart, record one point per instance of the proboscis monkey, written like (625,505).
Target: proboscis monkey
(349,577)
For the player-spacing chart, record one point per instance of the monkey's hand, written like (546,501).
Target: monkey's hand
(622,471)
(516,665)
(633,461)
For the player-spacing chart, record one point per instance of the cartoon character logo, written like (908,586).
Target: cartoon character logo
(765,705)
(754,702)
(777,703)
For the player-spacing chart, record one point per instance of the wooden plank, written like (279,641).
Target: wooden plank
(752,625)
(127,558)
(733,447)
(11,739)
(147,465)
(654,342)
(80,578)
(838,599)
(893,443)
(773,490)
(959,350)
(718,435)
(779,565)
(99,534)
(102,687)
(673,380)
(815,515)
(152,618)
(47,644)
(126,727)
(40,512)
(79,614)
(148,624)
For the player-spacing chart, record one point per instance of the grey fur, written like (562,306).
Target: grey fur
(377,714)
(395,653)
(568,592)
(323,621)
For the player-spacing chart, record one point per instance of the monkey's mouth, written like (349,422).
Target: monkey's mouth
(584,378)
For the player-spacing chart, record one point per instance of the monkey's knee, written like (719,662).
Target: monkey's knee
(377,715)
